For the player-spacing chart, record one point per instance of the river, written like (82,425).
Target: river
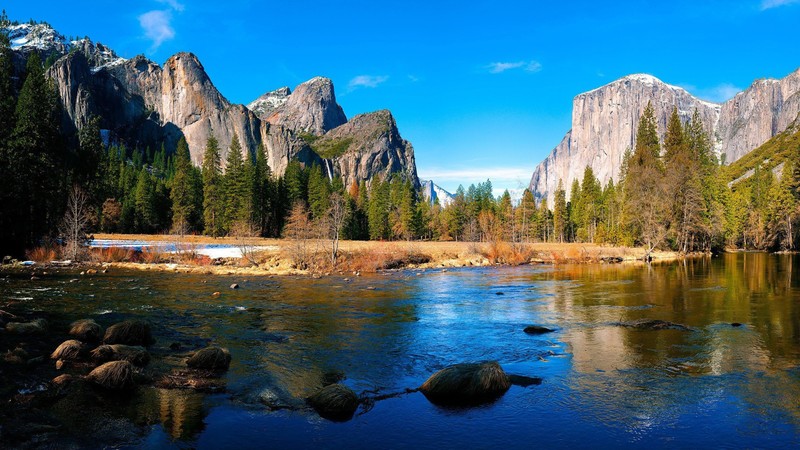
(604,385)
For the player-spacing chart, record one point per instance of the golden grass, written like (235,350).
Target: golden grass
(43,254)
(112,254)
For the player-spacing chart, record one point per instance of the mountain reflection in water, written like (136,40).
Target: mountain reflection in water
(604,385)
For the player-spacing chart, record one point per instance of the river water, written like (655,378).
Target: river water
(603,385)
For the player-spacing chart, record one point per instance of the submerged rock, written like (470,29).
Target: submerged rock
(335,402)
(536,329)
(129,332)
(468,384)
(196,379)
(653,324)
(37,326)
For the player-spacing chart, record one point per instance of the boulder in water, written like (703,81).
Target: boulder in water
(114,375)
(86,330)
(70,350)
(129,332)
(210,358)
(135,355)
(467,384)
(536,329)
(37,326)
(335,402)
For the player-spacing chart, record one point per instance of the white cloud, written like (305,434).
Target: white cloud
(466,175)
(369,81)
(533,66)
(717,94)
(515,179)
(157,27)
(769,4)
(174,4)
(500,67)
(528,66)
(723,92)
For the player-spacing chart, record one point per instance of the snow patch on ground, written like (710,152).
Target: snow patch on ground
(213,251)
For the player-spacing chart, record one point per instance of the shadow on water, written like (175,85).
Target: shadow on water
(601,384)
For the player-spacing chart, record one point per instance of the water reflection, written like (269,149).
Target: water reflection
(385,333)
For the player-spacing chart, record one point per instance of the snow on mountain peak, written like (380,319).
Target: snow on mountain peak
(269,102)
(432,192)
(39,36)
(643,78)
(43,38)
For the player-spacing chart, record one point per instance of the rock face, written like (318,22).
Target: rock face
(752,117)
(143,104)
(311,108)
(432,192)
(268,104)
(366,146)
(604,124)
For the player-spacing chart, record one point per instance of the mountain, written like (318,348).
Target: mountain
(367,144)
(311,108)
(143,104)
(604,124)
(432,192)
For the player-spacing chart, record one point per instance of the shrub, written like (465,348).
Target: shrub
(43,254)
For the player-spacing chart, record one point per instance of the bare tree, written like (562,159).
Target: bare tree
(73,226)
(300,231)
(337,212)
(244,233)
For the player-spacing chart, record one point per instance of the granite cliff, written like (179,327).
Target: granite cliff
(604,124)
(143,104)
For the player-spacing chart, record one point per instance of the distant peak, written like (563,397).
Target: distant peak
(317,80)
(642,78)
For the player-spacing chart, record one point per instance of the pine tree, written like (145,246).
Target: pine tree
(90,160)
(184,192)
(378,213)
(9,237)
(591,203)
(576,227)
(7,102)
(144,204)
(264,192)
(527,217)
(644,185)
(319,191)
(213,211)
(238,186)
(559,213)
(34,157)
(296,180)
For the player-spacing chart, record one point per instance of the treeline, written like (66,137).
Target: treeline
(675,194)
(671,194)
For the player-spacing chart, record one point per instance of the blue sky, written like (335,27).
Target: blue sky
(481,89)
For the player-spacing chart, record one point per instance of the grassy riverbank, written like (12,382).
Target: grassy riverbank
(280,256)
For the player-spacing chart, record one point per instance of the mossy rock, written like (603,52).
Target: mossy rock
(467,384)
